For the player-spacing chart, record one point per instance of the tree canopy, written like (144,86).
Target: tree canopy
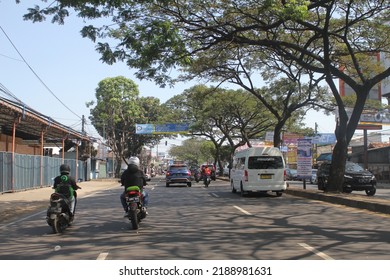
(117,110)
(335,39)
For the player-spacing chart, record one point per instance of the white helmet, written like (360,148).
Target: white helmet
(134,160)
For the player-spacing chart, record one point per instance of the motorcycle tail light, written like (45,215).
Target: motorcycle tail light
(55,196)
(133,193)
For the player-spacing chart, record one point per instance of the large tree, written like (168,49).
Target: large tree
(115,113)
(334,38)
(222,116)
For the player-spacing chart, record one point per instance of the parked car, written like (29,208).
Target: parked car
(313,179)
(226,171)
(178,174)
(291,174)
(356,178)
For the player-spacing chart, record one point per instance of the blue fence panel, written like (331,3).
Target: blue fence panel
(25,170)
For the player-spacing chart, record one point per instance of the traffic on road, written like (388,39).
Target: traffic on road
(199,223)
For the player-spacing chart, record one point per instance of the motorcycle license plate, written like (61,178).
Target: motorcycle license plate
(133,199)
(265,176)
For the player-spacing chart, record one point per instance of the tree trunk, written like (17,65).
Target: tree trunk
(336,177)
(344,131)
(118,167)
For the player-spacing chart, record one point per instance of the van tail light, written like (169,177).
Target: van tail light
(189,173)
(285,174)
(246,175)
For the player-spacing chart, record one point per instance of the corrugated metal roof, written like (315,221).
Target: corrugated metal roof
(31,123)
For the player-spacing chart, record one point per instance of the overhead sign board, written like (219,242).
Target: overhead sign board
(169,128)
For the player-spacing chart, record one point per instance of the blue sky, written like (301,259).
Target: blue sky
(61,64)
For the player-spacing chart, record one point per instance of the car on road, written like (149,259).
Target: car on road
(313,178)
(148,177)
(226,171)
(356,178)
(291,174)
(178,174)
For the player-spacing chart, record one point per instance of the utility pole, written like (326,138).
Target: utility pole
(315,145)
(82,124)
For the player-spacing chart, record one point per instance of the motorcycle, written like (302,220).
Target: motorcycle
(58,213)
(197,176)
(136,210)
(207,181)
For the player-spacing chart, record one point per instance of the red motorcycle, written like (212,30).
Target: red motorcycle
(136,210)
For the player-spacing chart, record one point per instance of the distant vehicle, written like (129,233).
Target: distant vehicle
(258,169)
(291,174)
(226,171)
(321,158)
(178,174)
(356,178)
(147,177)
(313,179)
(212,168)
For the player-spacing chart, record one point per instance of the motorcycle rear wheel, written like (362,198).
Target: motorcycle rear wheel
(58,225)
(134,219)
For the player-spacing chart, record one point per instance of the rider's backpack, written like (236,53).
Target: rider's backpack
(64,187)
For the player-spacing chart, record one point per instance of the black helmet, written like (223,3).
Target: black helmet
(64,168)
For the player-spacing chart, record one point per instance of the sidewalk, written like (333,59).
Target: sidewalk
(17,203)
(371,203)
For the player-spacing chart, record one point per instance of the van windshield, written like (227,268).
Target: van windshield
(265,162)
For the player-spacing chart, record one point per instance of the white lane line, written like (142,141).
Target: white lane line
(44,211)
(102,256)
(242,210)
(22,219)
(315,251)
(214,194)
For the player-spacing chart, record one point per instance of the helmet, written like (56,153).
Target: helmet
(64,168)
(134,160)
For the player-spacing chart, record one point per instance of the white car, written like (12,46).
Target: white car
(147,176)
(313,179)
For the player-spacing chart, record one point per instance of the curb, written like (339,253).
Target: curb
(369,203)
(375,206)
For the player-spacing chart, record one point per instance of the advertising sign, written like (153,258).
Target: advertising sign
(161,128)
(304,156)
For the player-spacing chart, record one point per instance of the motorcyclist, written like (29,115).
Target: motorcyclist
(66,185)
(133,176)
(206,172)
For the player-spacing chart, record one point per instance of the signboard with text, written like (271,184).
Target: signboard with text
(304,156)
(169,128)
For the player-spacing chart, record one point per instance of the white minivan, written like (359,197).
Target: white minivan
(258,169)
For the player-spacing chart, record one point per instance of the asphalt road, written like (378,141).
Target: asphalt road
(200,223)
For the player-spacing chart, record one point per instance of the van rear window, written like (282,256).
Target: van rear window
(265,162)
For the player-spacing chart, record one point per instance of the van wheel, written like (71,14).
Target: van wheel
(279,193)
(242,191)
(232,186)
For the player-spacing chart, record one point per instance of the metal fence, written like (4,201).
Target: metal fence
(27,171)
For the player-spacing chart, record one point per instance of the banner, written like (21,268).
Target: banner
(168,128)
(304,154)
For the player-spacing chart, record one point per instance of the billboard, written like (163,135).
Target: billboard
(169,128)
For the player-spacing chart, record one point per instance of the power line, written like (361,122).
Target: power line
(36,75)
